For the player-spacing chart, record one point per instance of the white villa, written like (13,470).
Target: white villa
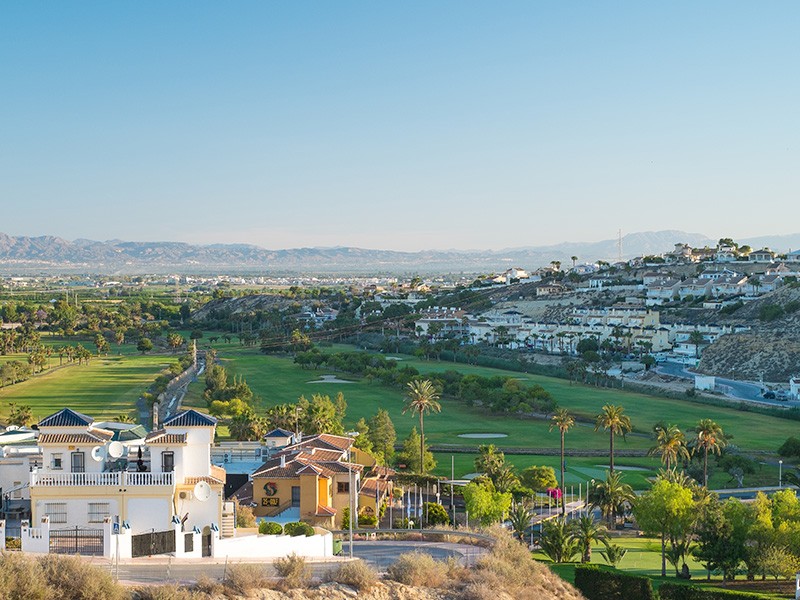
(86,477)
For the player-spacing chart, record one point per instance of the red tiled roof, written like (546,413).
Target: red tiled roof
(94,436)
(325,511)
(206,478)
(161,437)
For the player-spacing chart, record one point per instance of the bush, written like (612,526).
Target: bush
(21,578)
(357,574)
(673,591)
(243,578)
(598,583)
(164,592)
(367,520)
(790,448)
(299,528)
(270,528)
(245,517)
(294,571)
(75,579)
(770,312)
(417,569)
(436,514)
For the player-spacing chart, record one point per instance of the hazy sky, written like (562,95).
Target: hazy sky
(403,125)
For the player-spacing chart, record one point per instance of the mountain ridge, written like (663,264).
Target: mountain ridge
(52,253)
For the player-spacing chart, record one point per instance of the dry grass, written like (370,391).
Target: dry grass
(245,578)
(418,569)
(293,571)
(166,592)
(356,574)
(509,569)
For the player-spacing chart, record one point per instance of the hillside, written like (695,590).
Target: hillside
(771,349)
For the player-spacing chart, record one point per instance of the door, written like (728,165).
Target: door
(167,462)
(295,495)
(78,462)
(206,541)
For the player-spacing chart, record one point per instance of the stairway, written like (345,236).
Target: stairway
(228,520)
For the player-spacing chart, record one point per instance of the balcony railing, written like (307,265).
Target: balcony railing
(120,479)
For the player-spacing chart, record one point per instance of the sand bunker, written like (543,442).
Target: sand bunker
(329,379)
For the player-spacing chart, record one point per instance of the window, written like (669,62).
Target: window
(167,462)
(78,462)
(98,511)
(343,487)
(56,462)
(57,511)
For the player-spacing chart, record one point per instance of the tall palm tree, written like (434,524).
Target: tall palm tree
(709,437)
(615,422)
(585,532)
(610,496)
(563,420)
(670,445)
(422,399)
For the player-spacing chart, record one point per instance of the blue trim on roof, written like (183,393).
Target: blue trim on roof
(66,417)
(279,433)
(190,418)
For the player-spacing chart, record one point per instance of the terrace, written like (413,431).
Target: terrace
(43,478)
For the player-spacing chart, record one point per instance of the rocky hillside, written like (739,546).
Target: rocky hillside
(244,304)
(771,348)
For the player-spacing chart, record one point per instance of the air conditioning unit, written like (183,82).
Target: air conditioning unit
(185,495)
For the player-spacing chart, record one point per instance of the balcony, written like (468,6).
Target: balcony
(118,479)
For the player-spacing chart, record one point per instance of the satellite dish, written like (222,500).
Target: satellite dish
(99,453)
(116,450)
(202,491)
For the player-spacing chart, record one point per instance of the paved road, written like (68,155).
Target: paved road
(379,553)
(735,389)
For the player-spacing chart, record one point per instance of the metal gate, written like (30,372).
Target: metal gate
(152,543)
(206,542)
(77,540)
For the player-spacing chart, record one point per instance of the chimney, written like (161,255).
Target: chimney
(313,451)
(283,460)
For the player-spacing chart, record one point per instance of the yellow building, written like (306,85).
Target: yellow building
(311,480)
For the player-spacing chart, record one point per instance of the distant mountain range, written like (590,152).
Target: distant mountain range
(20,255)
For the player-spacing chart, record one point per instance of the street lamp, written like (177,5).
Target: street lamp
(352,435)
(780,473)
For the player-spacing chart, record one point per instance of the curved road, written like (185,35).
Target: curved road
(739,390)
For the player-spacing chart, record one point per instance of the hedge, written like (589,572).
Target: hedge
(299,528)
(674,591)
(598,583)
(270,528)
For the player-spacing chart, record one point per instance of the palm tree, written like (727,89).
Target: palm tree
(610,496)
(422,399)
(520,517)
(615,422)
(574,259)
(710,438)
(557,543)
(670,445)
(585,532)
(698,339)
(563,420)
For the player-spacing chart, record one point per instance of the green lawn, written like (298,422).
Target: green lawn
(106,387)
(644,558)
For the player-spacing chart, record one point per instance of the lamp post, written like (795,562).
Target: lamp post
(780,473)
(352,435)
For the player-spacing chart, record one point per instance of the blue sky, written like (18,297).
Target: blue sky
(404,125)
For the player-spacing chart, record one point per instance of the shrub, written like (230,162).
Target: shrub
(20,578)
(299,528)
(164,592)
(270,528)
(598,583)
(673,591)
(294,571)
(245,517)
(243,578)
(75,579)
(357,574)
(770,312)
(367,520)
(435,513)
(417,569)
